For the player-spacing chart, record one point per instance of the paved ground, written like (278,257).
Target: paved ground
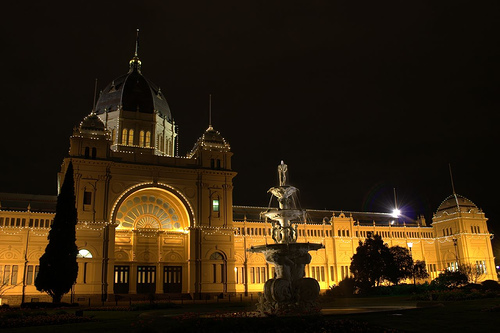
(380,308)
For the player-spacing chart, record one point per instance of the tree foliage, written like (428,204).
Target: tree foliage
(58,266)
(399,265)
(369,262)
(419,271)
(375,262)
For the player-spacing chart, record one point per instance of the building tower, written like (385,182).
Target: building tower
(463,237)
(150,222)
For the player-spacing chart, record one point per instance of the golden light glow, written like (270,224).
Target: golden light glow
(153,209)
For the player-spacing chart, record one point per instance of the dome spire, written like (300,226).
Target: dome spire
(95,95)
(135,63)
(136,44)
(209,110)
(453,187)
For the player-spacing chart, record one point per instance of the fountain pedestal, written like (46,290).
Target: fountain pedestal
(289,290)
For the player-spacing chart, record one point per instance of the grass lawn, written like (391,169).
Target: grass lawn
(461,316)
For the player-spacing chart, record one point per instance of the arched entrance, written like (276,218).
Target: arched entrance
(151,242)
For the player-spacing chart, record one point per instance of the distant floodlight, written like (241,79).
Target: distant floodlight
(410,245)
(395,213)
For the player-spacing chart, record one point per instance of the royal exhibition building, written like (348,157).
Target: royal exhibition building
(153,222)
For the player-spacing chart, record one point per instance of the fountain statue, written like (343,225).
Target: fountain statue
(289,290)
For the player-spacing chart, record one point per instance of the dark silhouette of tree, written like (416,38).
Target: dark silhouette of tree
(369,262)
(399,266)
(58,266)
(419,271)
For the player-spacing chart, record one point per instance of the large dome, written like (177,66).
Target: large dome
(133,92)
(450,204)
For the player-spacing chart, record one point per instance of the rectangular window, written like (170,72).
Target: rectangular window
(252,273)
(222,274)
(214,268)
(87,198)
(263,275)
(332,277)
(85,272)
(37,269)
(6,274)
(322,273)
(29,275)
(215,205)
(13,279)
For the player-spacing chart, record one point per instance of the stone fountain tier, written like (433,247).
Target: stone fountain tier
(289,289)
(281,214)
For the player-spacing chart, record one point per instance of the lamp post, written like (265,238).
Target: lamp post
(410,245)
(455,244)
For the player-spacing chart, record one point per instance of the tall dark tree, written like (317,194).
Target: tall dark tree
(58,266)
(399,265)
(369,262)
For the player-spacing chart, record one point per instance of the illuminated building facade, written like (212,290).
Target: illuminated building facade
(152,222)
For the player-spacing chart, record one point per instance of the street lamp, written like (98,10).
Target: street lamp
(410,245)
(395,213)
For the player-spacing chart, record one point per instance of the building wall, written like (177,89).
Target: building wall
(225,265)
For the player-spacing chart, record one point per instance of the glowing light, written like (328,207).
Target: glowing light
(395,213)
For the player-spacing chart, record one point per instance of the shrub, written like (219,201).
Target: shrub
(346,288)
(450,280)
(490,285)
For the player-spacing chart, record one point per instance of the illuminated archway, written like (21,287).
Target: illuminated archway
(151,208)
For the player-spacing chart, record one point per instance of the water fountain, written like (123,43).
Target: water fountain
(289,290)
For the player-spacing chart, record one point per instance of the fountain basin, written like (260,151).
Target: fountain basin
(289,289)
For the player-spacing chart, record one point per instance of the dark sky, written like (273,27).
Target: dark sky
(357,97)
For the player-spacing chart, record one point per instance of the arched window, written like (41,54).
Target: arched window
(83,266)
(218,269)
(148,139)
(84,253)
(87,152)
(141,138)
(124,136)
(216,256)
(131,137)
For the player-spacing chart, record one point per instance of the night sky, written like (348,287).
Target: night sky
(357,97)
